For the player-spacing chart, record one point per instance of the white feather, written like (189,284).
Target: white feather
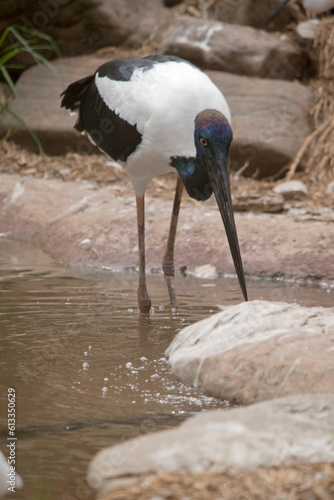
(162,102)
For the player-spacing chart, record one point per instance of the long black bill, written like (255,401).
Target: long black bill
(219,175)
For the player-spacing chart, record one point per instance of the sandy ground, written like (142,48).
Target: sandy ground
(14,159)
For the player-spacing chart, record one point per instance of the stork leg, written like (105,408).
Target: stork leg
(144,300)
(168,260)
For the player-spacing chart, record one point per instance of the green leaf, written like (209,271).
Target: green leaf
(9,81)
(23,123)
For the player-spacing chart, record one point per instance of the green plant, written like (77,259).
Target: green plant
(30,41)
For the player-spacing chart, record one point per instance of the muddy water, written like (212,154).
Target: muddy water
(87,371)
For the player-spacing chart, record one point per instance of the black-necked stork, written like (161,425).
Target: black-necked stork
(157,115)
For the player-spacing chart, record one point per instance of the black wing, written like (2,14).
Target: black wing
(74,93)
(113,135)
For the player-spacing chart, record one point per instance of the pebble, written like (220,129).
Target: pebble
(291,190)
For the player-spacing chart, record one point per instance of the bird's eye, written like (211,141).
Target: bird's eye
(203,141)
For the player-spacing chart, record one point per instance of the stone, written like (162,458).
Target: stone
(247,13)
(295,429)
(39,106)
(257,203)
(257,350)
(257,13)
(251,13)
(84,26)
(6,94)
(57,215)
(270,118)
(307,29)
(291,190)
(270,121)
(205,272)
(330,188)
(234,48)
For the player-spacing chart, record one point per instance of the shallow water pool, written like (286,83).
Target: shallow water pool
(87,370)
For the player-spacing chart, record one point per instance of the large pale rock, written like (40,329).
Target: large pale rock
(256,351)
(234,48)
(269,117)
(270,121)
(57,216)
(39,106)
(293,429)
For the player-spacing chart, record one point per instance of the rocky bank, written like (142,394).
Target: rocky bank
(274,357)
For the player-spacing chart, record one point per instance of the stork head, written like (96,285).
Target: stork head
(213,137)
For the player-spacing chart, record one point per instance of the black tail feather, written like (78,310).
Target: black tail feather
(75,92)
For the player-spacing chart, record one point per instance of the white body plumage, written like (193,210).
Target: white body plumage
(162,102)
